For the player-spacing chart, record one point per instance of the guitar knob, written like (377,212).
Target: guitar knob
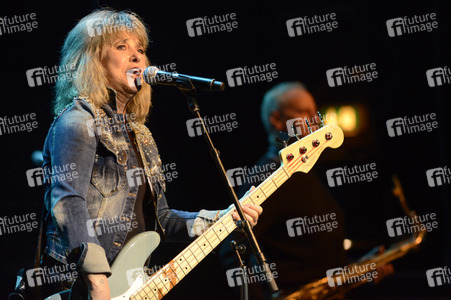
(329,136)
(302,150)
(315,143)
(304,158)
(290,156)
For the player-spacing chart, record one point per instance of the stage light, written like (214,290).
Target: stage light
(347,244)
(348,117)
(36,158)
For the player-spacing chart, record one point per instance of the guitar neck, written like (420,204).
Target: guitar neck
(166,278)
(310,147)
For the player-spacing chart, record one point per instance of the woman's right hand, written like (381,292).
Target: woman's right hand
(98,288)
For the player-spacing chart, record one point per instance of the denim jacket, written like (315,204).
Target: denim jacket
(86,141)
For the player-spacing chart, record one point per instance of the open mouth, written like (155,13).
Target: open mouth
(134,72)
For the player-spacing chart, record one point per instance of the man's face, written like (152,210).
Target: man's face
(298,103)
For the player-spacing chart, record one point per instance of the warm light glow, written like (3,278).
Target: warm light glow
(347,118)
(347,244)
(330,118)
(351,118)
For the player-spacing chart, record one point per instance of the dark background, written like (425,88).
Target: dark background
(400,90)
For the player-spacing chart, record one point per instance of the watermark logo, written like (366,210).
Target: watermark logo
(56,173)
(170,68)
(27,222)
(50,75)
(408,25)
(18,23)
(309,225)
(221,123)
(100,226)
(210,25)
(298,126)
(48,275)
(133,274)
(100,26)
(349,75)
(249,75)
(198,226)
(438,76)
(35,177)
(309,25)
(136,177)
(438,276)
(21,123)
(349,175)
(169,172)
(406,225)
(117,123)
(250,175)
(438,176)
(235,277)
(408,125)
(351,274)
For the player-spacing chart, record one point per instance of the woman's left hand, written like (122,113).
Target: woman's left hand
(251,212)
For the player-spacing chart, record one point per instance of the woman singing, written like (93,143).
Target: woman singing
(99,131)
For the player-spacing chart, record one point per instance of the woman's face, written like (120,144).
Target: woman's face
(124,61)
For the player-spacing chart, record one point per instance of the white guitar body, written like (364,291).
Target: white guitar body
(128,268)
(128,265)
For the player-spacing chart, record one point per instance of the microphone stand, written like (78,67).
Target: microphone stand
(185,85)
(238,251)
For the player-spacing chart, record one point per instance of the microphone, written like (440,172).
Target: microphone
(152,75)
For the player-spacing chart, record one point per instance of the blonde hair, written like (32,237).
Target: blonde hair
(82,49)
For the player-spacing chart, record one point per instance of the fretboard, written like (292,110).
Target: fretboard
(160,283)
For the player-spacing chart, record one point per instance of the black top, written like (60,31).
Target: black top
(144,219)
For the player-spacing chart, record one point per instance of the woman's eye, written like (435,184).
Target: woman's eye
(141,51)
(121,47)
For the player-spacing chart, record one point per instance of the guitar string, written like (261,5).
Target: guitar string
(276,175)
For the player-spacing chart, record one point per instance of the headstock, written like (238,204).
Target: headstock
(303,154)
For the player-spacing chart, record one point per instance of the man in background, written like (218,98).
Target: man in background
(307,255)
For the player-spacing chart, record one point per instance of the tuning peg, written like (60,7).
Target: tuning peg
(293,128)
(282,138)
(321,119)
(308,125)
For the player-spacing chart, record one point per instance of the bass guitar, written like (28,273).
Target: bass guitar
(297,157)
